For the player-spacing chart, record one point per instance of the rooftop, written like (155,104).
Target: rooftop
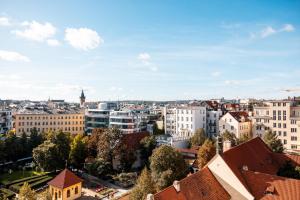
(65,179)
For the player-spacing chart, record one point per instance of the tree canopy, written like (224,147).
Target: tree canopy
(198,138)
(273,142)
(167,165)
(26,193)
(78,150)
(206,152)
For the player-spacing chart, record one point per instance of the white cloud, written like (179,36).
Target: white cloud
(288,28)
(13,56)
(144,56)
(267,32)
(36,31)
(53,42)
(114,89)
(83,38)
(232,82)
(216,74)
(4,21)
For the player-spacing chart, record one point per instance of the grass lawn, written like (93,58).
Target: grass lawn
(4,178)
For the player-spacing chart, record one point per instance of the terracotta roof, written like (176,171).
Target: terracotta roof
(239,115)
(65,179)
(282,158)
(184,150)
(199,186)
(254,154)
(132,140)
(279,188)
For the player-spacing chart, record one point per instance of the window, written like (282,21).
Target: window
(59,194)
(284,133)
(284,142)
(68,193)
(284,125)
(279,133)
(274,125)
(232,127)
(76,190)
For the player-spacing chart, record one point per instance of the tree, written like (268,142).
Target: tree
(206,152)
(109,144)
(26,193)
(35,138)
(227,136)
(78,151)
(62,148)
(13,149)
(127,157)
(156,130)
(273,142)
(93,142)
(24,144)
(45,156)
(144,186)
(289,170)
(2,151)
(243,138)
(167,165)
(147,145)
(100,168)
(198,138)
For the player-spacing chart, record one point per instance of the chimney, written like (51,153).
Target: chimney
(245,167)
(176,185)
(226,145)
(150,197)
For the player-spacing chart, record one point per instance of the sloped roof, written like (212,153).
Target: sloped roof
(65,179)
(132,140)
(254,154)
(239,115)
(199,186)
(283,188)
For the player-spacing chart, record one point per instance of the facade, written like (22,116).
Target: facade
(245,172)
(65,186)
(189,119)
(6,122)
(71,121)
(237,123)
(281,117)
(170,120)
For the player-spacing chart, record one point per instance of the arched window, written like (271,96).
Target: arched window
(55,196)
(68,193)
(59,194)
(76,190)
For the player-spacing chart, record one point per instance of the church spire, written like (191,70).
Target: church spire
(82,99)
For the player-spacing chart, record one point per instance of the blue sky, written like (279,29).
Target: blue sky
(151,50)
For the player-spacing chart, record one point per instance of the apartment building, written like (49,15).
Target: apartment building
(283,118)
(129,121)
(237,123)
(6,122)
(71,121)
(169,120)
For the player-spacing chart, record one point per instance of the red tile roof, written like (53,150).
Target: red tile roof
(132,140)
(65,179)
(282,158)
(199,186)
(239,115)
(282,188)
(254,154)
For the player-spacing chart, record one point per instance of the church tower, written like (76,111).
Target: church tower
(82,99)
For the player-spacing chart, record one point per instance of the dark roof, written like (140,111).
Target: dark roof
(199,186)
(132,140)
(279,188)
(65,179)
(239,115)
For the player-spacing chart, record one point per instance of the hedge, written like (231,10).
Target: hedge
(23,179)
(7,192)
(33,183)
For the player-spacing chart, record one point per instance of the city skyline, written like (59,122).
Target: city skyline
(149,50)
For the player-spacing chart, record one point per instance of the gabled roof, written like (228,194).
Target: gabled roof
(199,186)
(279,188)
(254,154)
(65,179)
(239,115)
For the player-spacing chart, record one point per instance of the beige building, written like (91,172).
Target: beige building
(65,186)
(281,117)
(71,121)
(237,123)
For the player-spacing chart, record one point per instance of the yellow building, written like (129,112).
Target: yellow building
(65,186)
(72,122)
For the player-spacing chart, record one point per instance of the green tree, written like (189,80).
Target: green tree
(289,170)
(144,186)
(198,138)
(167,165)
(24,145)
(273,142)
(243,138)
(230,137)
(78,151)
(147,145)
(109,144)
(156,130)
(26,193)
(45,156)
(2,151)
(206,152)
(35,138)
(13,149)
(93,142)
(62,148)
(100,168)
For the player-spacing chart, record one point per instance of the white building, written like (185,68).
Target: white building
(6,122)
(97,118)
(281,117)
(237,123)
(182,122)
